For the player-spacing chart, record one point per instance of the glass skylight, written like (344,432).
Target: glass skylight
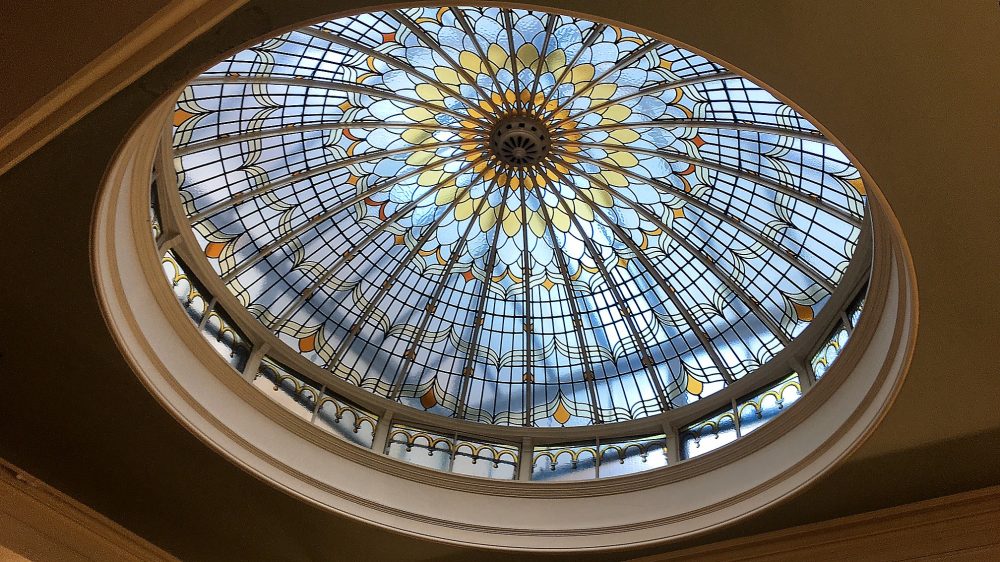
(513,217)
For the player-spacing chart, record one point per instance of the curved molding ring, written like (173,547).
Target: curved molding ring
(196,385)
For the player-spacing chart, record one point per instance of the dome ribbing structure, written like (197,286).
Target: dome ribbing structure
(513,217)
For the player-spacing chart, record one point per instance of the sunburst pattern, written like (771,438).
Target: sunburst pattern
(665,227)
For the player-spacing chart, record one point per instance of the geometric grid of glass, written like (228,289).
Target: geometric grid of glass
(510,216)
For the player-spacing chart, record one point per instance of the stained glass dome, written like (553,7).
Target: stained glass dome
(513,217)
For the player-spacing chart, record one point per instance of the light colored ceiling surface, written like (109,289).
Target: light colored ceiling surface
(908,86)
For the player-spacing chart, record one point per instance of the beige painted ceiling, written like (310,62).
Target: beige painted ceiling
(911,87)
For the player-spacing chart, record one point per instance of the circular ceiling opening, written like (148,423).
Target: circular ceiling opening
(504,244)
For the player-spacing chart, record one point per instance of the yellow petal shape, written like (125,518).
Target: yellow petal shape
(415,136)
(561,415)
(429,93)
(420,158)
(536,223)
(430,177)
(428,400)
(447,75)
(694,386)
(446,195)
(555,61)
(624,136)
(614,179)
(527,56)
(603,91)
(600,197)
(498,56)
(617,113)
(583,210)
(803,312)
(418,114)
(487,219)
(623,159)
(471,62)
(560,220)
(511,223)
(581,74)
(464,209)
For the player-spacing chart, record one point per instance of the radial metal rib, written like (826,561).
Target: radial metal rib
(349,338)
(550,24)
(335,85)
(646,358)
(436,47)
(529,334)
(655,274)
(305,174)
(648,90)
(350,202)
(428,311)
(353,251)
(667,189)
(698,254)
(330,37)
(588,41)
(479,318)
(789,190)
(297,129)
(509,25)
(699,124)
(467,27)
(622,63)
(589,376)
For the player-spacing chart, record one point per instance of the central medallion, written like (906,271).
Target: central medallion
(520,141)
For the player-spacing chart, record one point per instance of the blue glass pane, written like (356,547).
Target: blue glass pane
(564,462)
(628,456)
(708,434)
(827,354)
(767,404)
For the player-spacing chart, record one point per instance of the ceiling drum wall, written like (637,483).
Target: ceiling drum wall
(688,496)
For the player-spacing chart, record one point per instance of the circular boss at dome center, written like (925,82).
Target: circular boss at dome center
(520,140)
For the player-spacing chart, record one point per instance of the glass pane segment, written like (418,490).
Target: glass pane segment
(628,456)
(767,404)
(417,446)
(708,434)
(294,392)
(478,458)
(187,289)
(346,420)
(827,354)
(564,462)
(854,312)
(222,333)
